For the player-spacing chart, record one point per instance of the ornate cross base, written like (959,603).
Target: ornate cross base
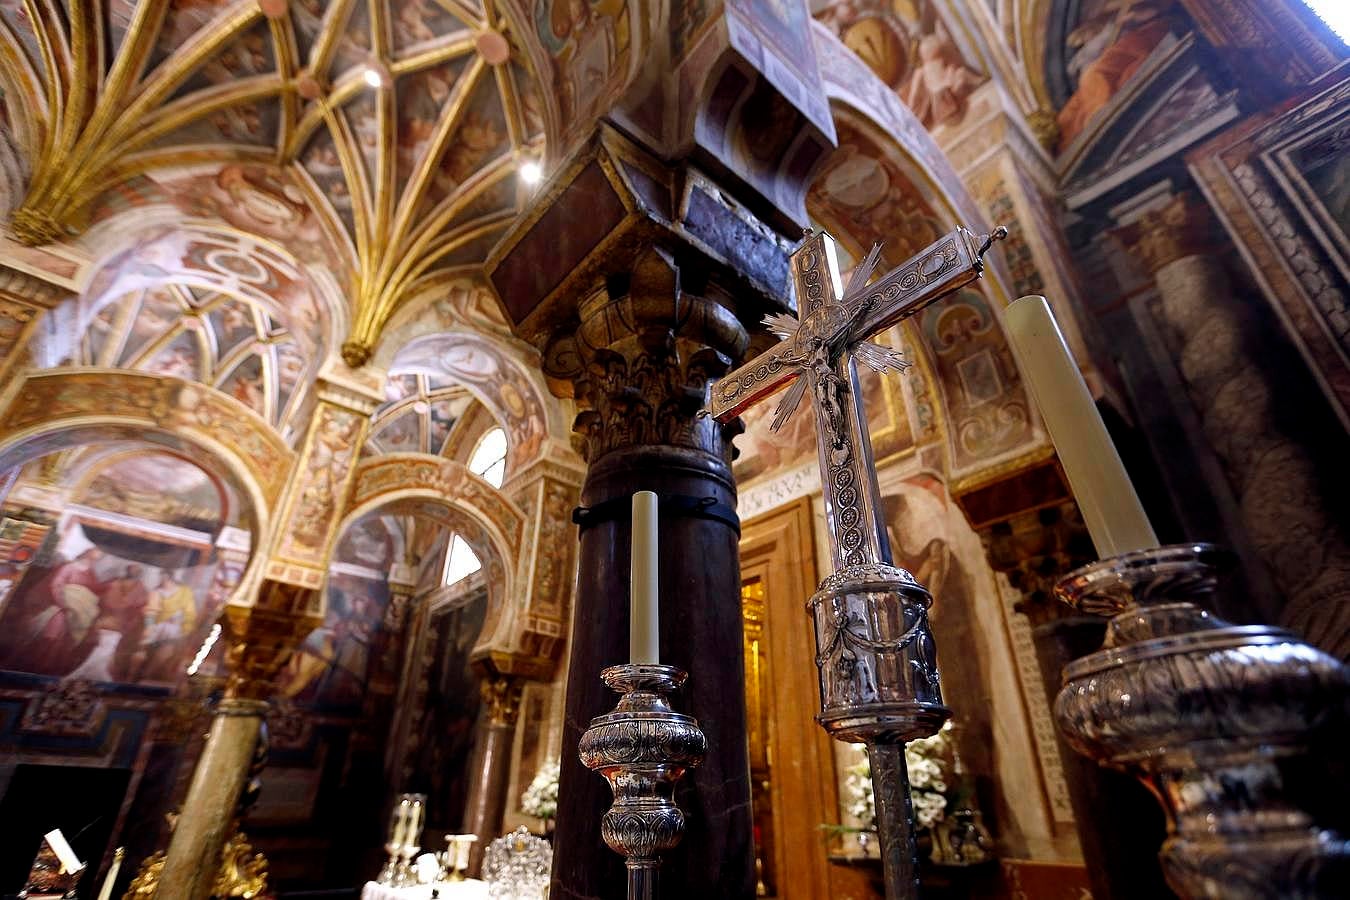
(879,686)
(1211,716)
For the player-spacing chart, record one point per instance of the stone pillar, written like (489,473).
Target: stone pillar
(647,349)
(260,642)
(633,277)
(1233,383)
(490,764)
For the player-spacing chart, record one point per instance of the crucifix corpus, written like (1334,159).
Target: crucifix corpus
(879,682)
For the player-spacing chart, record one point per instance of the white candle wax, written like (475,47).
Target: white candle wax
(1111,508)
(644,623)
(415,826)
(401,825)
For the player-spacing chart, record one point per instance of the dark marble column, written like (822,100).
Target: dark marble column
(490,764)
(647,348)
(635,278)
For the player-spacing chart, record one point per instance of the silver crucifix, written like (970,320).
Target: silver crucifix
(879,680)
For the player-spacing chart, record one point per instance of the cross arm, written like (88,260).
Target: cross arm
(948,264)
(736,391)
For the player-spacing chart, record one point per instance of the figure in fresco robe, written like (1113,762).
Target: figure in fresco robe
(58,633)
(1108,47)
(941,83)
(170,614)
(122,611)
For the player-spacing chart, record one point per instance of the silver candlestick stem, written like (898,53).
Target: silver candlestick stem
(1209,715)
(642,748)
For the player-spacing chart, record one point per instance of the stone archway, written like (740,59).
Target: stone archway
(445,491)
(54,411)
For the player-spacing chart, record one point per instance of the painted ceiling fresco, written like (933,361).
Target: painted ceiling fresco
(398,128)
(910,48)
(199,335)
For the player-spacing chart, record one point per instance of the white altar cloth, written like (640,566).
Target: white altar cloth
(468,889)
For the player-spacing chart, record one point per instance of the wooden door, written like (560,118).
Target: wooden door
(794,790)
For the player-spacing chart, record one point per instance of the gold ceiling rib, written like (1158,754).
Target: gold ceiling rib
(383,114)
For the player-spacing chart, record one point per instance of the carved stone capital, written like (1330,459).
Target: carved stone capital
(1181,228)
(641,357)
(501,697)
(1035,549)
(261,638)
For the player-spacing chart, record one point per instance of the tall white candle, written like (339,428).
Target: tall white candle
(400,826)
(415,826)
(644,627)
(1111,508)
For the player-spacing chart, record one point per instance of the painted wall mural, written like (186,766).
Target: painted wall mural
(1104,45)
(588,43)
(908,46)
(130,579)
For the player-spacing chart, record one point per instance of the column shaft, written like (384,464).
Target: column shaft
(490,763)
(1253,416)
(192,862)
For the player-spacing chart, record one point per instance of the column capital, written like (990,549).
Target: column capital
(501,697)
(261,638)
(1179,227)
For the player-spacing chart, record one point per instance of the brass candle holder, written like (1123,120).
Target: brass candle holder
(642,749)
(1210,716)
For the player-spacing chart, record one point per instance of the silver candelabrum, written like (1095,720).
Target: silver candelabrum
(879,686)
(642,748)
(1211,716)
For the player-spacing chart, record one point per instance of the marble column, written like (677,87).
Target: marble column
(490,763)
(633,275)
(1232,373)
(260,642)
(644,350)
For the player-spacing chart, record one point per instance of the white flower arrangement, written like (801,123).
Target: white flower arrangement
(928,762)
(541,797)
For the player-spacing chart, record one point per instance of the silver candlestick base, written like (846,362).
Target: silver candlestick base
(879,686)
(642,748)
(1208,715)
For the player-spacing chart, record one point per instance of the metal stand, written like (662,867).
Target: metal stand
(1210,716)
(879,686)
(642,748)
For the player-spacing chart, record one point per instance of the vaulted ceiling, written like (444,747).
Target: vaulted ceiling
(399,127)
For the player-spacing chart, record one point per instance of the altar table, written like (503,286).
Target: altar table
(468,889)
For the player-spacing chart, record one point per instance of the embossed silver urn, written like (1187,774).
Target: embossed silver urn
(1212,717)
(642,748)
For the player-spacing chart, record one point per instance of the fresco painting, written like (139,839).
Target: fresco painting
(1105,47)
(129,582)
(908,46)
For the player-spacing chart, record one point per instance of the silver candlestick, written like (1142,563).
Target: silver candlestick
(642,748)
(1209,715)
